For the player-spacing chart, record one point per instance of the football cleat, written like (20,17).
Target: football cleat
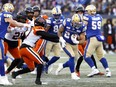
(60,67)
(4,81)
(74,76)
(38,82)
(94,72)
(108,73)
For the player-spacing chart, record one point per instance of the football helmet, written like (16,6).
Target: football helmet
(76,21)
(36,8)
(29,12)
(21,17)
(56,12)
(79,8)
(39,21)
(91,9)
(8,7)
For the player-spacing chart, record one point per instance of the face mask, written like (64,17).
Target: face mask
(77,25)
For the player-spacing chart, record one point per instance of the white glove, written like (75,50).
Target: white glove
(74,39)
(27,25)
(62,42)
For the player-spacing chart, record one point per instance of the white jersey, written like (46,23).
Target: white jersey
(16,33)
(31,39)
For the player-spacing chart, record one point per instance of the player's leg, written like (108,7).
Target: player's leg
(17,58)
(80,59)
(70,63)
(39,72)
(56,51)
(100,55)
(2,69)
(48,49)
(30,68)
(3,78)
(90,48)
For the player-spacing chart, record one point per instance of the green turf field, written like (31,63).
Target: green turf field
(63,79)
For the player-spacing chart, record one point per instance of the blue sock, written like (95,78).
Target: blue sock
(2,69)
(104,62)
(53,59)
(89,61)
(71,64)
(66,64)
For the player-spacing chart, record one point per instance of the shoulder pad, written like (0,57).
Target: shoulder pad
(64,22)
(68,19)
(8,15)
(85,18)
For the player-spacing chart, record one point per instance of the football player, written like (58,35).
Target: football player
(5,20)
(80,10)
(11,40)
(52,27)
(94,40)
(27,51)
(69,33)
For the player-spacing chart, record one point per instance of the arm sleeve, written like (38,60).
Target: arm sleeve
(48,36)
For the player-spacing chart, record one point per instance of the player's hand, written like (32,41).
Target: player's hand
(27,25)
(62,42)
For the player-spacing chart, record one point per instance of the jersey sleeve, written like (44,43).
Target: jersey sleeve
(7,15)
(85,17)
(49,22)
(36,29)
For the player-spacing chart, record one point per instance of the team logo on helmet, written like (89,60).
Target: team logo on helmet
(76,21)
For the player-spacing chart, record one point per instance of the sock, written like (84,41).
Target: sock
(66,64)
(71,64)
(53,59)
(39,71)
(89,61)
(13,64)
(79,61)
(2,69)
(24,70)
(45,58)
(104,62)
(20,64)
(92,57)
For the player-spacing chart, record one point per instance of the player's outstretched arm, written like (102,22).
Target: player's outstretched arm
(15,23)
(48,36)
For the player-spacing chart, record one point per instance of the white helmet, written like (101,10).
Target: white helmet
(76,20)
(91,9)
(56,12)
(8,7)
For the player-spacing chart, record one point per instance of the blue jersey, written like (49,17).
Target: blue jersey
(54,24)
(4,25)
(93,26)
(70,31)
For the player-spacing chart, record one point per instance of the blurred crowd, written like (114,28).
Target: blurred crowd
(103,6)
